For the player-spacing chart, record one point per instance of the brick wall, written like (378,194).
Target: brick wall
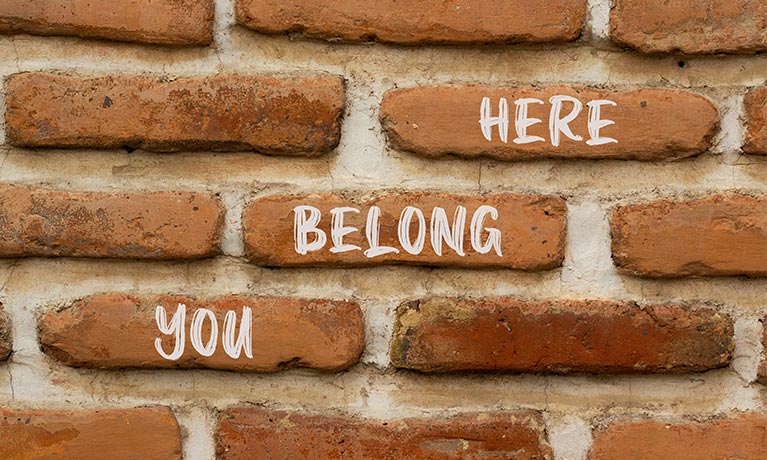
(604,298)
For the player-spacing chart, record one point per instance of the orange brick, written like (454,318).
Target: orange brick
(275,115)
(166,22)
(37,222)
(114,331)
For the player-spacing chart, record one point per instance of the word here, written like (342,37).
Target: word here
(530,122)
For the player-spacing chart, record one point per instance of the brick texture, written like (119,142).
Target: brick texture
(5,335)
(163,225)
(502,334)
(722,235)
(167,22)
(690,26)
(269,114)
(440,120)
(251,433)
(532,230)
(756,114)
(422,22)
(118,331)
(738,437)
(119,434)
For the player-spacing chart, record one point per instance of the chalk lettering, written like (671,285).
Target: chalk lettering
(559,124)
(306,224)
(443,231)
(175,328)
(234,343)
(440,233)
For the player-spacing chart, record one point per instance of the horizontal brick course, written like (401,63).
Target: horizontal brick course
(649,124)
(266,435)
(167,22)
(736,437)
(422,22)
(503,334)
(532,230)
(37,222)
(115,331)
(125,434)
(269,114)
(690,26)
(721,235)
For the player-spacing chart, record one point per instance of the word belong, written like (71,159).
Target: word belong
(442,232)
(558,124)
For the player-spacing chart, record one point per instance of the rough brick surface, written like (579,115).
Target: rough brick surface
(269,114)
(413,23)
(532,230)
(756,115)
(5,335)
(503,334)
(161,225)
(129,434)
(650,124)
(118,331)
(739,437)
(168,22)
(250,433)
(690,26)
(722,235)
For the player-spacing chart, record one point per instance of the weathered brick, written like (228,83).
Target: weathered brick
(255,433)
(690,26)
(422,22)
(722,235)
(532,230)
(167,22)
(756,114)
(119,331)
(164,225)
(503,334)
(5,335)
(269,114)
(117,434)
(737,437)
(649,124)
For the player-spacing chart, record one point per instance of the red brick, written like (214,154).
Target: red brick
(270,114)
(756,114)
(690,26)
(167,22)
(650,124)
(532,230)
(117,434)
(722,235)
(738,437)
(251,433)
(165,225)
(115,331)
(422,22)
(503,334)
(5,335)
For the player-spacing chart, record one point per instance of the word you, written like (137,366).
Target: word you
(235,343)
(558,124)
(307,220)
